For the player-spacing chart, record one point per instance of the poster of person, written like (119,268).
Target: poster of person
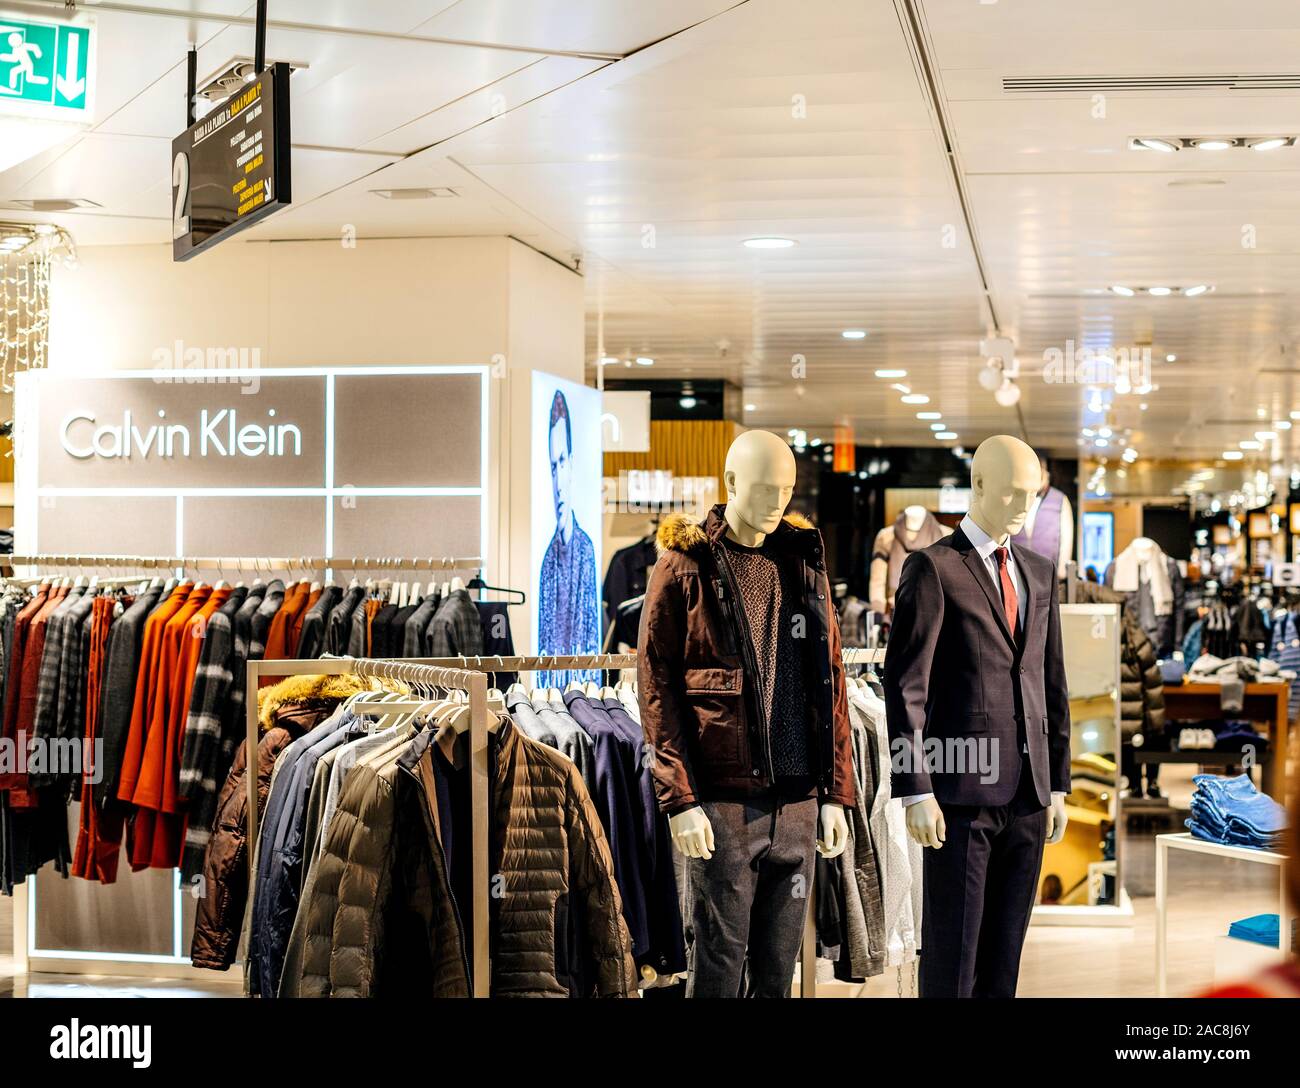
(566,524)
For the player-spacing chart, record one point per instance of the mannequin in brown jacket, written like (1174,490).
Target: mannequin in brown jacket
(743,702)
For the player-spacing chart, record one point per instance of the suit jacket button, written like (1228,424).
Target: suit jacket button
(821,596)
(1022,670)
(755,772)
(826,681)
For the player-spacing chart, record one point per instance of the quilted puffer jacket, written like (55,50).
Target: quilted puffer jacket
(285,711)
(382,920)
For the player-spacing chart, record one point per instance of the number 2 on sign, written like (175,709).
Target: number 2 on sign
(181,183)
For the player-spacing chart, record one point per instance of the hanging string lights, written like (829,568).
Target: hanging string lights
(28,252)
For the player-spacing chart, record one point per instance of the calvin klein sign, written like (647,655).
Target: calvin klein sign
(218,433)
(138,432)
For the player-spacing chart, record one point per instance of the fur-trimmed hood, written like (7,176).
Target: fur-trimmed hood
(678,533)
(305,689)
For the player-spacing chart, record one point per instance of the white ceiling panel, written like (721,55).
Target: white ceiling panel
(570,25)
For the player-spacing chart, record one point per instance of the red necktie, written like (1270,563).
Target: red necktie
(1010,606)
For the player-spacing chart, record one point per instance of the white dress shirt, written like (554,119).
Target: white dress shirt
(987,547)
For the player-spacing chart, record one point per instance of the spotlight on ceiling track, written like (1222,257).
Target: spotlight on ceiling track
(1167,144)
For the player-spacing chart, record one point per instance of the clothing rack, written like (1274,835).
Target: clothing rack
(468,674)
(475,682)
(241,563)
(856,656)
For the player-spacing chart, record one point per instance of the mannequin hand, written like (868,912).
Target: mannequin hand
(834,830)
(1056,820)
(925,823)
(692,833)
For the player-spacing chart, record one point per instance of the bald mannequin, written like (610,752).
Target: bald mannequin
(1005,475)
(759,475)
(978,713)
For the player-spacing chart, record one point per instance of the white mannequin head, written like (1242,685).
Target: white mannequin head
(914,517)
(1005,477)
(759,476)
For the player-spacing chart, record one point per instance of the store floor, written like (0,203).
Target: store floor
(1206,893)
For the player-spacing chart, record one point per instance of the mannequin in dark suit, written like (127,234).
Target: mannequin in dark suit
(979,726)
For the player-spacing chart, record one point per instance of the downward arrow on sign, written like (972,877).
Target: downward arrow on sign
(68,85)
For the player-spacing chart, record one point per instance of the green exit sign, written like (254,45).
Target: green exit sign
(46,68)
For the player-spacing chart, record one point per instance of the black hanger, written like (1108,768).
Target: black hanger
(477,583)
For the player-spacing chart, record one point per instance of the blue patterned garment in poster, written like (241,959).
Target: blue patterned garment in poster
(568,608)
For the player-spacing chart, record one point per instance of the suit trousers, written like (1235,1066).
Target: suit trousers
(978,893)
(748,901)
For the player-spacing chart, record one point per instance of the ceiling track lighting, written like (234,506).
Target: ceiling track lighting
(1161,290)
(1170,144)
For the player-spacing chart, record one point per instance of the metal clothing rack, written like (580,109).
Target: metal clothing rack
(854,655)
(252,564)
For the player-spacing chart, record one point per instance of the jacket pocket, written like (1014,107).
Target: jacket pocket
(715,694)
(957,723)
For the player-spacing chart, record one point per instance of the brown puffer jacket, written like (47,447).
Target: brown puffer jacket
(381,919)
(698,678)
(285,711)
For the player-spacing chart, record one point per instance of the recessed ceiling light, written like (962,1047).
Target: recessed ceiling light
(1233,455)
(1213,143)
(768,243)
(1251,444)
(1281,425)
(1105,432)
(1158,290)
(1143,406)
(751,407)
(1268,143)
(929,415)
(1152,143)
(644,360)
(891,373)
(1102,443)
(608,360)
(1119,289)
(946,436)
(1088,432)
(1171,358)
(686,401)
(1196,289)
(938,426)
(854,334)
(432,193)
(901,388)
(916,398)
(1265,436)
(52,204)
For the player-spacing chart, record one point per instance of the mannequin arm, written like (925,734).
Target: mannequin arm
(692,833)
(925,823)
(877,589)
(834,830)
(909,660)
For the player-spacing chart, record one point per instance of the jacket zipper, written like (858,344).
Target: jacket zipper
(737,610)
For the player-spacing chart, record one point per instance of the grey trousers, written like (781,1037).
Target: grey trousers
(746,904)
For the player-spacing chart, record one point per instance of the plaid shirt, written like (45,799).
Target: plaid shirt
(455,629)
(50,687)
(217,701)
(261,621)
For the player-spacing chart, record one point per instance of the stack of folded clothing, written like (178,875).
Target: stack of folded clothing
(1259,929)
(1237,736)
(1232,812)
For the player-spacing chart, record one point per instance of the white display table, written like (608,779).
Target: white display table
(1187,841)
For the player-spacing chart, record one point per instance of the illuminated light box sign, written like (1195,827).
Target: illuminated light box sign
(337,461)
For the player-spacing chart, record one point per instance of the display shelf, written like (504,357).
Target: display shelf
(1265,704)
(1189,843)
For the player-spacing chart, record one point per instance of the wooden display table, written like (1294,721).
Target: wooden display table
(1264,704)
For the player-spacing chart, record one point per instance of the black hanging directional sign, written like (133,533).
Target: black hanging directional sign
(231,169)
